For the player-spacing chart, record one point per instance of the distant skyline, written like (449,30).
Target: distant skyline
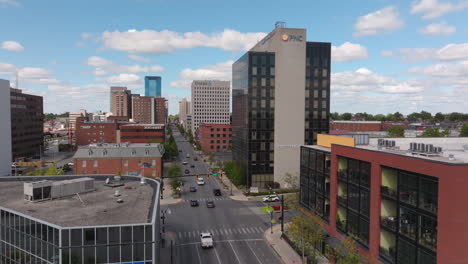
(388,56)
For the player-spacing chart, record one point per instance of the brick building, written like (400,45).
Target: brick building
(27,124)
(125,159)
(214,137)
(96,132)
(403,200)
(356,126)
(121,101)
(142,133)
(149,110)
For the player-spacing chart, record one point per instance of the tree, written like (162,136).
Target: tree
(335,116)
(306,232)
(464,130)
(396,131)
(435,132)
(379,117)
(398,116)
(346,116)
(211,156)
(414,116)
(291,180)
(439,117)
(234,173)
(175,174)
(346,253)
(426,116)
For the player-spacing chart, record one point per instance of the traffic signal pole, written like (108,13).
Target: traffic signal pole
(282,213)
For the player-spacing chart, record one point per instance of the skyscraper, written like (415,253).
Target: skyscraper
(121,101)
(114,89)
(210,103)
(281,100)
(152,85)
(149,110)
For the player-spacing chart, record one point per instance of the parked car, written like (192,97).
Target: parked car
(187,171)
(184,162)
(200,181)
(217,192)
(188,156)
(192,166)
(271,198)
(206,240)
(193,189)
(195,158)
(210,204)
(193,203)
(180,150)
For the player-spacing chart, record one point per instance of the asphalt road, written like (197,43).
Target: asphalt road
(237,227)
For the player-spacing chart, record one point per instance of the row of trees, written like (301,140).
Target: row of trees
(50,171)
(397,116)
(52,116)
(398,131)
(170,146)
(234,173)
(175,177)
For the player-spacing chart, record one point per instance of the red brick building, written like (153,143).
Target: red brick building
(356,126)
(118,118)
(125,159)
(149,110)
(142,133)
(214,137)
(403,202)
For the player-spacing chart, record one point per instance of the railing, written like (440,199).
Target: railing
(342,200)
(343,175)
(388,254)
(386,191)
(389,222)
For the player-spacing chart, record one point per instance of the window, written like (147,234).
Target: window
(83,164)
(95,163)
(254,70)
(324,73)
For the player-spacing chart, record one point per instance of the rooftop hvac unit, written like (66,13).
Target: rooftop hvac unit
(451,157)
(439,149)
(392,143)
(117,193)
(143,181)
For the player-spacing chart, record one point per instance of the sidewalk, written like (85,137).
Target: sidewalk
(283,249)
(167,195)
(237,194)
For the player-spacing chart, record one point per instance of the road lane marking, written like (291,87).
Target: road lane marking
(243,230)
(216,252)
(224,241)
(198,253)
(253,252)
(235,253)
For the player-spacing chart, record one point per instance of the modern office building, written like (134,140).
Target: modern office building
(149,110)
(188,122)
(144,159)
(281,100)
(214,137)
(184,110)
(79,219)
(27,125)
(153,86)
(402,199)
(121,101)
(5,128)
(210,102)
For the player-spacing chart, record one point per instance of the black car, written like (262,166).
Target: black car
(192,166)
(217,192)
(210,204)
(193,189)
(187,171)
(193,203)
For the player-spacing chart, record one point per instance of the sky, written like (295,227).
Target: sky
(387,56)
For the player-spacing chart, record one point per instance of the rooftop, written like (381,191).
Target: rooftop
(120,150)
(157,126)
(99,207)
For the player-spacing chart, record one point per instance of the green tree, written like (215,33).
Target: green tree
(335,116)
(346,253)
(175,175)
(439,117)
(398,116)
(234,173)
(435,132)
(414,116)
(396,131)
(379,117)
(464,130)
(346,116)
(426,116)
(291,180)
(306,232)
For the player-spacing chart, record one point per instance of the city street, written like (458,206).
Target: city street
(237,227)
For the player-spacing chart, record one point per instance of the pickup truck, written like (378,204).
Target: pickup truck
(206,240)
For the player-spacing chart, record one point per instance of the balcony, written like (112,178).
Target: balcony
(343,200)
(343,175)
(429,240)
(388,192)
(389,254)
(389,222)
(408,229)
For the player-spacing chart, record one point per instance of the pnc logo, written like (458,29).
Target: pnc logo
(286,37)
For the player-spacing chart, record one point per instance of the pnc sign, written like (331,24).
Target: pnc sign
(287,37)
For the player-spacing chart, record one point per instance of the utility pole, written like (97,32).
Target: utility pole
(282,213)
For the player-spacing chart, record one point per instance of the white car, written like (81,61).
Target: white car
(206,240)
(271,198)
(200,181)
(184,163)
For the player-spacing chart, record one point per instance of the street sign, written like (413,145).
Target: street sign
(214,174)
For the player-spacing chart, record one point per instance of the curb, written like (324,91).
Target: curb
(238,199)
(171,202)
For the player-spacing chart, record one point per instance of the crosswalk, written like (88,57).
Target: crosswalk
(220,232)
(208,199)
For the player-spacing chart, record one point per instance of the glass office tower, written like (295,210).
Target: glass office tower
(153,86)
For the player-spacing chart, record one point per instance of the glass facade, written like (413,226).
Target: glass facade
(315,181)
(24,240)
(317,96)
(354,199)
(253,116)
(153,86)
(408,217)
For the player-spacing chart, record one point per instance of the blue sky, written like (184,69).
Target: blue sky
(389,55)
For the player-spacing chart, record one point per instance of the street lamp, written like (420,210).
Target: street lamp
(231,188)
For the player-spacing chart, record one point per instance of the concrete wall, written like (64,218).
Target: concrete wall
(5,128)
(289,45)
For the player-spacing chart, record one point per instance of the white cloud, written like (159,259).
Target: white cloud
(12,46)
(86,35)
(386,53)
(123,78)
(433,8)
(138,58)
(219,71)
(6,68)
(34,73)
(459,69)
(435,29)
(104,66)
(365,80)
(9,2)
(166,41)
(348,52)
(381,21)
(450,52)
